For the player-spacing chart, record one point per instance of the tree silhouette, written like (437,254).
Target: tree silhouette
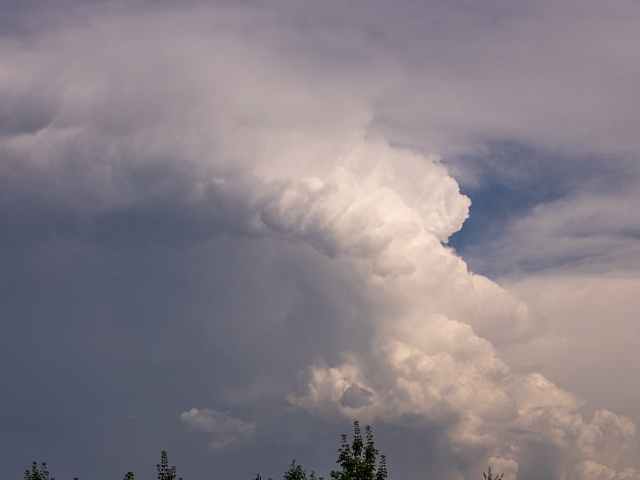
(165,472)
(295,472)
(489,475)
(38,473)
(258,477)
(358,460)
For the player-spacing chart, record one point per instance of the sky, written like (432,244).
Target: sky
(230,229)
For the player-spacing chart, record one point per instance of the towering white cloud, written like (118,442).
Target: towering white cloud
(219,135)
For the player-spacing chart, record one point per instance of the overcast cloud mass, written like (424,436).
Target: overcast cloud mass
(228,229)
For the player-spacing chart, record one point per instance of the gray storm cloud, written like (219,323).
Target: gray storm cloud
(216,135)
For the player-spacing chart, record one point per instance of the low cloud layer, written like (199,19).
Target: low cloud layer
(261,163)
(227,429)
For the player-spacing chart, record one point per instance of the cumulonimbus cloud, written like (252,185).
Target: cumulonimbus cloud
(123,148)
